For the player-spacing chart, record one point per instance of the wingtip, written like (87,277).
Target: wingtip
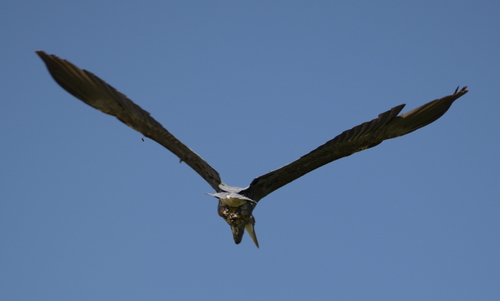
(462,91)
(46,58)
(41,53)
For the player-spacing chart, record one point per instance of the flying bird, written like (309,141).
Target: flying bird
(236,204)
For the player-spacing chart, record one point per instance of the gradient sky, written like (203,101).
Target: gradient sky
(90,212)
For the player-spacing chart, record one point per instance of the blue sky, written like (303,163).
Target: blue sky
(90,212)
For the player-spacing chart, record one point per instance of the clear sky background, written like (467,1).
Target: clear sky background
(90,212)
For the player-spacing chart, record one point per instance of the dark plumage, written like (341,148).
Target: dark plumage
(236,204)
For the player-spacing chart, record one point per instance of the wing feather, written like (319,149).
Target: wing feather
(96,93)
(366,135)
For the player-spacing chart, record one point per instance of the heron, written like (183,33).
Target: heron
(236,204)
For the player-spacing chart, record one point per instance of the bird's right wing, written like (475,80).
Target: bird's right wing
(369,134)
(96,93)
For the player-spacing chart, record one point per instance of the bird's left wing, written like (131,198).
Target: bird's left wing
(96,93)
(369,134)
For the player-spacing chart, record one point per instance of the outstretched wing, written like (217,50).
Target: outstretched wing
(369,134)
(96,93)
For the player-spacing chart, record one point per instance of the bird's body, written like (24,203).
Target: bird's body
(237,204)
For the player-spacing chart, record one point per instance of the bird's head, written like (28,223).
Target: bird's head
(240,219)
(236,209)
